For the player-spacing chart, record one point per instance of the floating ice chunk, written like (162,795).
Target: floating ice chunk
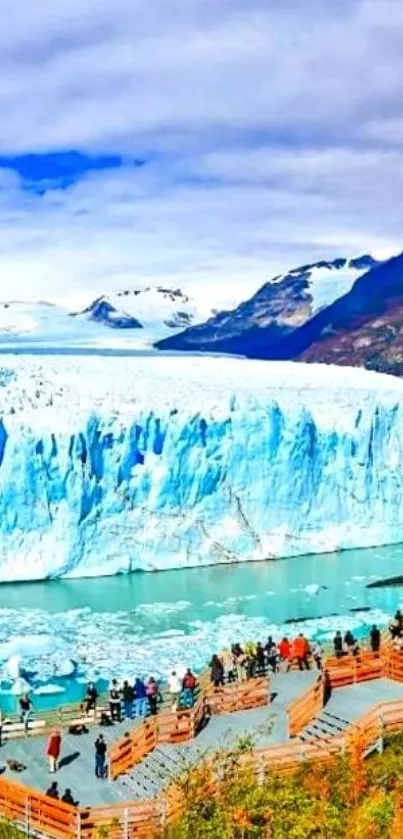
(65,667)
(20,686)
(45,690)
(313,588)
(12,667)
(30,646)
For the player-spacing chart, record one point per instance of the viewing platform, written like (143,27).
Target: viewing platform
(287,718)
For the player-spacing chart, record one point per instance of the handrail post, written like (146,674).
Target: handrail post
(382,730)
(126,823)
(28,815)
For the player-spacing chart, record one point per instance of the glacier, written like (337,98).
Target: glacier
(110,465)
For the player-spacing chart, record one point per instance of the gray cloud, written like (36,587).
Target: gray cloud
(274,134)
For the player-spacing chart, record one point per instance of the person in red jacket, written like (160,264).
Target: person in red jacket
(189,685)
(284,651)
(300,651)
(53,749)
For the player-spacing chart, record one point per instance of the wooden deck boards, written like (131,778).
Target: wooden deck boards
(351,702)
(266,725)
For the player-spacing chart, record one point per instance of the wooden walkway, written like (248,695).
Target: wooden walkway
(76,769)
(264,726)
(286,722)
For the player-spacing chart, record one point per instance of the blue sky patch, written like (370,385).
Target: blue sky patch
(58,170)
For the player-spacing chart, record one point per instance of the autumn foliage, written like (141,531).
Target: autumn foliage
(228,799)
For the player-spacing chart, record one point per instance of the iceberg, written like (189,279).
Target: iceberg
(110,465)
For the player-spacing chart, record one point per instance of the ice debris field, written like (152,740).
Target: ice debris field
(53,653)
(110,465)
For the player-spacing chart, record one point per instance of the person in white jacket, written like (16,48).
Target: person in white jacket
(175,688)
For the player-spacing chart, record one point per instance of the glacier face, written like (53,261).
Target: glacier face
(109,465)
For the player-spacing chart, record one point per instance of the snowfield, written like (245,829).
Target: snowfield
(131,319)
(109,465)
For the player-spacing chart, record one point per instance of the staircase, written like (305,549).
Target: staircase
(324,727)
(327,726)
(158,770)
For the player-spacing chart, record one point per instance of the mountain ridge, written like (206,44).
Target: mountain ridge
(277,309)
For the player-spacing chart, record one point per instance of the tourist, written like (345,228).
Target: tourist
(100,757)
(284,651)
(115,707)
(91,698)
(216,671)
(128,699)
(300,651)
(68,798)
(228,663)
(53,749)
(250,663)
(271,654)
(189,686)
(53,791)
(152,694)
(394,626)
(338,644)
(375,639)
(140,698)
(268,645)
(240,662)
(260,659)
(26,707)
(349,641)
(175,689)
(317,654)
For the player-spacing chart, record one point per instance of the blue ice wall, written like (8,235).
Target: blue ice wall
(176,490)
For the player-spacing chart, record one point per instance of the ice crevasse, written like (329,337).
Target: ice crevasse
(109,465)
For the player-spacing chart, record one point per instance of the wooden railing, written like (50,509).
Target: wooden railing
(36,812)
(305,708)
(133,747)
(39,814)
(183,725)
(393,664)
(238,696)
(122,821)
(351,669)
(41,722)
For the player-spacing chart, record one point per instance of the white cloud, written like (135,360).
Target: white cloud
(273,133)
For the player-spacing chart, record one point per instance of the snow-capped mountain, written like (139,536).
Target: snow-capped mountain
(161,311)
(213,460)
(132,318)
(26,323)
(283,304)
(363,328)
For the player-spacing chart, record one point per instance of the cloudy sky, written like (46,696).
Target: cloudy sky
(206,143)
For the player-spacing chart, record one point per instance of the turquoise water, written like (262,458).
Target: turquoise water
(149,623)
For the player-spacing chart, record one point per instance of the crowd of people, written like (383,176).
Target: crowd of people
(126,700)
(130,701)
(257,659)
